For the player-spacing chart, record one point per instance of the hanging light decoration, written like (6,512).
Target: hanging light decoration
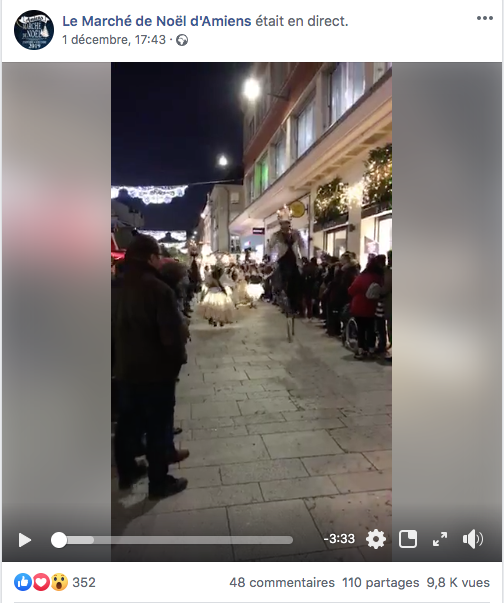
(378,177)
(151,194)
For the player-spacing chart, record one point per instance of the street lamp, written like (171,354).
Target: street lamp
(222,161)
(252,90)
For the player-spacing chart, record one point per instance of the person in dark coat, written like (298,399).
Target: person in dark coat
(310,276)
(150,339)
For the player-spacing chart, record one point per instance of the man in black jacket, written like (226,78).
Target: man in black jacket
(149,341)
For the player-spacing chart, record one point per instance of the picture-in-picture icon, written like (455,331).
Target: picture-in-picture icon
(408,539)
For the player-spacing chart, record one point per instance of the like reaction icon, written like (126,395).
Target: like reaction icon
(41,582)
(22,582)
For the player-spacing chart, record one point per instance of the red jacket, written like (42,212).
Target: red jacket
(360,305)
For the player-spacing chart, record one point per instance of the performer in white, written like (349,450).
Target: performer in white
(255,289)
(286,250)
(240,290)
(217,306)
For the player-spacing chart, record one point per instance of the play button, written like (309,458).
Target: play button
(23,540)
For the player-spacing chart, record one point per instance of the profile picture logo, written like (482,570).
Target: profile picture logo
(34,30)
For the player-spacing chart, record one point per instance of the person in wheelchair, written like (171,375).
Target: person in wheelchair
(365,292)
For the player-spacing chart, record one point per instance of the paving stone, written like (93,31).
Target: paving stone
(362,439)
(223,451)
(225,397)
(352,514)
(283,518)
(207,423)
(225,377)
(288,426)
(300,444)
(321,403)
(219,432)
(366,420)
(214,409)
(320,413)
(351,410)
(198,477)
(262,471)
(337,464)
(182,412)
(270,417)
(206,498)
(381,459)
(272,386)
(251,386)
(302,487)
(361,482)
(267,395)
(252,407)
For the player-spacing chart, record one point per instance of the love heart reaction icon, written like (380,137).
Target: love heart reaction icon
(41,582)
(22,582)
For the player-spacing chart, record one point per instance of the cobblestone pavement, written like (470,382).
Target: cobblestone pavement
(284,439)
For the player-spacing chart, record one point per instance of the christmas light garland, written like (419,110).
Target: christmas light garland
(378,177)
(151,194)
(331,201)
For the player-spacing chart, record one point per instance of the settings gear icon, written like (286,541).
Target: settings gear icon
(376,539)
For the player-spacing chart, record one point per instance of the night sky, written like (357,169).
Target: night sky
(170,121)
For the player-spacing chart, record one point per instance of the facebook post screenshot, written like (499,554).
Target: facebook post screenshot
(215,414)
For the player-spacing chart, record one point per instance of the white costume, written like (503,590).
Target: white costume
(217,305)
(240,290)
(255,289)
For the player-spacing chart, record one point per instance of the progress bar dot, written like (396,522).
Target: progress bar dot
(58,540)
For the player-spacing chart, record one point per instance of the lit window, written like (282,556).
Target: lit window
(261,175)
(305,130)
(280,155)
(346,86)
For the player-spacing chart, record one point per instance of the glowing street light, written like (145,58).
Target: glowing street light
(222,161)
(251,89)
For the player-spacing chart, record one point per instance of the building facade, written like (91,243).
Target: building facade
(313,125)
(225,203)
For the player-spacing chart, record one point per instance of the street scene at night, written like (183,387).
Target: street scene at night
(251,274)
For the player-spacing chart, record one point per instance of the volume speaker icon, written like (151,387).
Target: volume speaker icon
(473,539)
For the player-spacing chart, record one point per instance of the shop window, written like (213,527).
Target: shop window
(384,233)
(379,70)
(305,129)
(280,155)
(234,244)
(346,86)
(261,175)
(336,242)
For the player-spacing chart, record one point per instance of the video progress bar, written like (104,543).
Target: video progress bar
(60,540)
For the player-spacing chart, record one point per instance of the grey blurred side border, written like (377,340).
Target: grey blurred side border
(56,308)
(447,459)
